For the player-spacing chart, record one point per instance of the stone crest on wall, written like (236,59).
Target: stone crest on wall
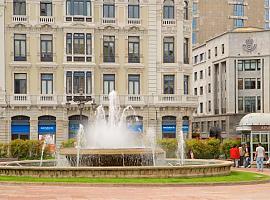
(249,45)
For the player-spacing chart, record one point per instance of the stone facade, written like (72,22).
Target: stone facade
(213,17)
(231,78)
(150,102)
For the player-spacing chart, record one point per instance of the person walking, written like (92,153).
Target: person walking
(247,157)
(235,155)
(260,154)
(242,155)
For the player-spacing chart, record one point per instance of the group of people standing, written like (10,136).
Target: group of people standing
(241,156)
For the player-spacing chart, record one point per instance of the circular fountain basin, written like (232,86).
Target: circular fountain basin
(114,157)
(194,168)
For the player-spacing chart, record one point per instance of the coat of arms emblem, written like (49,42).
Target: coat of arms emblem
(249,45)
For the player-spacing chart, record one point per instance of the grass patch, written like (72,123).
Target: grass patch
(234,177)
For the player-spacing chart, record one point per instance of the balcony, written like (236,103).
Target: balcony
(78,18)
(168,21)
(79,58)
(108,20)
(20,99)
(19,18)
(134,21)
(47,99)
(46,19)
(176,100)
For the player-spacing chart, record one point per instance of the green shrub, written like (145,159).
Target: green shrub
(204,149)
(227,145)
(68,143)
(27,149)
(4,150)
(169,145)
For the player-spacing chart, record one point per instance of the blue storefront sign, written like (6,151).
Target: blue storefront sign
(185,129)
(47,129)
(168,128)
(20,128)
(136,128)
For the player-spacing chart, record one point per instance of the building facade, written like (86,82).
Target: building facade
(59,49)
(231,79)
(213,17)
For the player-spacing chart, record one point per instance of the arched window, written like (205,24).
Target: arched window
(133,9)
(168,9)
(186,10)
(135,123)
(47,127)
(169,127)
(74,123)
(20,127)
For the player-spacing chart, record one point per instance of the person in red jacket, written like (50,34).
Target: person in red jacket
(235,155)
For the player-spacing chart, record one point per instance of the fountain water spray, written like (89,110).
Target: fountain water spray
(80,142)
(181,148)
(151,137)
(47,140)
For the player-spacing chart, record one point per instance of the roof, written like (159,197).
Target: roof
(246,29)
(255,119)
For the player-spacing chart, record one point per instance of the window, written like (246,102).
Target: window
(46,8)
(209,53)
(201,57)
(201,90)
(19,47)
(19,7)
(186,10)
(249,65)
(108,49)
(222,49)
(168,84)
(240,84)
(258,103)
(201,74)
(78,8)
(195,76)
(216,51)
(108,83)
(209,106)
(78,80)
(209,71)
(108,10)
(195,8)
(201,107)
(258,83)
(194,36)
(238,23)
(186,51)
(209,87)
(196,59)
(168,50)
(168,127)
(186,84)
(238,10)
(79,47)
(133,49)
(250,104)
(168,9)
(46,83)
(133,9)
(195,91)
(133,84)
(20,83)
(46,48)
(250,83)
(240,104)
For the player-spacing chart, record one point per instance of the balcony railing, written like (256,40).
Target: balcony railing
(168,59)
(109,59)
(46,57)
(168,21)
(124,100)
(46,19)
(134,21)
(133,58)
(19,18)
(78,18)
(108,20)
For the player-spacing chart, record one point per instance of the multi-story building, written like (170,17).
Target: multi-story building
(213,17)
(231,78)
(59,49)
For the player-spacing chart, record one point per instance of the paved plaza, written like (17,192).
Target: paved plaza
(70,192)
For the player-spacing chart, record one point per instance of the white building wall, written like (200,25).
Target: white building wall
(2,52)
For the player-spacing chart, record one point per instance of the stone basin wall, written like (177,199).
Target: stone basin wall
(217,169)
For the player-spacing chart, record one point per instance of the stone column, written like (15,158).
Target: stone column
(33,128)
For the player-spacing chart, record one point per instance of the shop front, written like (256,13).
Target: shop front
(254,129)
(20,128)
(47,129)
(168,127)
(74,124)
(135,124)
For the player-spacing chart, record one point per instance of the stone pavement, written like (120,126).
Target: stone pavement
(70,192)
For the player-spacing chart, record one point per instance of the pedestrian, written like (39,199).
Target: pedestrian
(242,155)
(235,155)
(260,154)
(247,157)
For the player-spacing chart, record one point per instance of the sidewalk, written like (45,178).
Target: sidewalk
(266,171)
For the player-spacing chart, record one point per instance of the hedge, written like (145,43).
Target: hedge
(169,145)
(23,149)
(68,143)
(227,145)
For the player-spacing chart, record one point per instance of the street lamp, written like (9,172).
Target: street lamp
(81,100)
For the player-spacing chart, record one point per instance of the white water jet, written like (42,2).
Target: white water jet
(151,137)
(80,142)
(181,148)
(47,140)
